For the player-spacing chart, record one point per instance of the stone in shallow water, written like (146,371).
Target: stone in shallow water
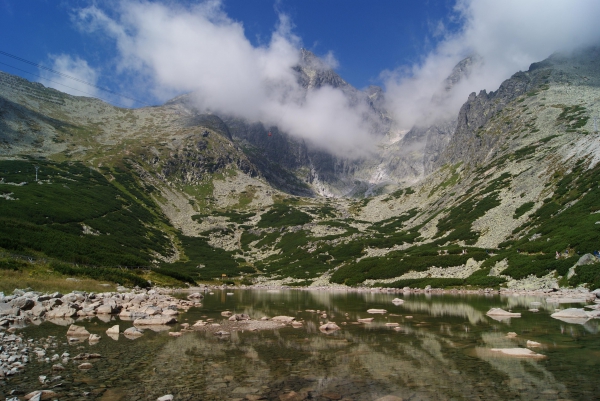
(329,327)
(244,390)
(77,331)
(502,312)
(167,397)
(285,319)
(518,352)
(389,398)
(293,396)
(376,311)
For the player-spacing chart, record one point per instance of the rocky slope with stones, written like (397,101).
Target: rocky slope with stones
(510,201)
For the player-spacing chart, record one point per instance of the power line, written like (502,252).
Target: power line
(66,86)
(70,77)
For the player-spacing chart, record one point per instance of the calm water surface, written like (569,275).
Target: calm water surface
(443,352)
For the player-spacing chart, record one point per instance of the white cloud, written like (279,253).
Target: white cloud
(69,68)
(509,35)
(199,49)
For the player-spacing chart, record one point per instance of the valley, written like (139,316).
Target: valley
(174,195)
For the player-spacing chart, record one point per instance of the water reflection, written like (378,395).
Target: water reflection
(442,352)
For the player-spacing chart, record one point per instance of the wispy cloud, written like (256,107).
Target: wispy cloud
(69,66)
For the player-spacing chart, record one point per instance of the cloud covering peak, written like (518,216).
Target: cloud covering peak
(507,36)
(199,49)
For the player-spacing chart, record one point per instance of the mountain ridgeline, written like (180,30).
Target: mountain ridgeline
(503,194)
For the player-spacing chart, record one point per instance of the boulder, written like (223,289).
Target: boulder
(226,313)
(296,324)
(106,310)
(22,303)
(113,330)
(239,316)
(170,312)
(85,366)
(397,301)
(40,395)
(77,331)
(502,312)
(329,327)
(175,333)
(284,319)
(94,338)
(533,344)
(132,314)
(133,332)
(571,313)
(195,296)
(168,397)
(64,311)
(376,311)
(518,352)
(155,321)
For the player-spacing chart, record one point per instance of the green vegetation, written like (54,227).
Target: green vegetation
(573,116)
(524,208)
(589,274)
(204,262)
(50,217)
(101,273)
(282,215)
(565,223)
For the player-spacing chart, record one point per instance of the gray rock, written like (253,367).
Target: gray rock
(77,331)
(22,303)
(587,259)
(133,332)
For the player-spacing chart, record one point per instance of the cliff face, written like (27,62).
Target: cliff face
(473,145)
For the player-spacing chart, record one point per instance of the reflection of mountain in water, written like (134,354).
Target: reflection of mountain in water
(439,309)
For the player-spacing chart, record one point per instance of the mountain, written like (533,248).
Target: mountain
(486,199)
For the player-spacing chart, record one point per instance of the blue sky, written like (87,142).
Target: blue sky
(366,38)
(236,56)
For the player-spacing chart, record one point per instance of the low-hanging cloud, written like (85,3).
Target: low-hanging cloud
(199,49)
(507,36)
(68,67)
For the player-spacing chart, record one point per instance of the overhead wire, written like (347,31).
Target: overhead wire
(62,74)
(66,86)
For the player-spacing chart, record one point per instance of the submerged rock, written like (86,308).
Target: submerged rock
(518,352)
(376,311)
(284,319)
(329,327)
(155,321)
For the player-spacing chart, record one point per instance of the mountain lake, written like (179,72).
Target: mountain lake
(430,347)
